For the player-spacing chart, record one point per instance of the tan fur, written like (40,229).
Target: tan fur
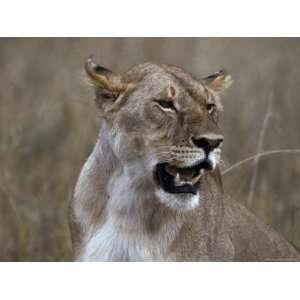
(118,212)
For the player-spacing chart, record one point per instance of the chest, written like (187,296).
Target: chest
(113,242)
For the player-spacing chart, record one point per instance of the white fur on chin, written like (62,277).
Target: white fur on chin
(183,202)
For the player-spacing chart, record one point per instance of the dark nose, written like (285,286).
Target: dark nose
(207,143)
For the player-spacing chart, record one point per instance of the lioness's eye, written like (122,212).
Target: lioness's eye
(210,107)
(166,104)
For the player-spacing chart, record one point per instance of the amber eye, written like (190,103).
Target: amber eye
(210,108)
(166,104)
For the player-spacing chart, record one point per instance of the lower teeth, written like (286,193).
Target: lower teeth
(177,179)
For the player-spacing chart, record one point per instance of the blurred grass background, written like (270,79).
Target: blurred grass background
(48,126)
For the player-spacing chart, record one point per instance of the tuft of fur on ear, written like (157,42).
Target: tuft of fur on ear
(218,82)
(103,79)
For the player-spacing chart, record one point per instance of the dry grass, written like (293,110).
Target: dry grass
(256,157)
(48,126)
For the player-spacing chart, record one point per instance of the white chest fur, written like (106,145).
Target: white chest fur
(113,242)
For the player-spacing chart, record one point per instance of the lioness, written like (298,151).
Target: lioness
(151,190)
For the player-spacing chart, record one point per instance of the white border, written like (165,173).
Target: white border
(149,18)
(149,281)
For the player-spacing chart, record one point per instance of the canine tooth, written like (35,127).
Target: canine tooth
(177,179)
(194,180)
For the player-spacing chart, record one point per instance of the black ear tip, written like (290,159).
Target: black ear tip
(99,69)
(93,67)
(215,75)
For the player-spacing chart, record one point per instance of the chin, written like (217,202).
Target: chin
(180,202)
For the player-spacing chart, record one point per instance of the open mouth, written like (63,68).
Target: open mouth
(173,179)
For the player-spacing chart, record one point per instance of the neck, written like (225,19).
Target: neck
(129,194)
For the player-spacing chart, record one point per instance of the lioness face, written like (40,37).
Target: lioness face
(163,127)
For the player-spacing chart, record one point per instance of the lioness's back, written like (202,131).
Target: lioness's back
(253,239)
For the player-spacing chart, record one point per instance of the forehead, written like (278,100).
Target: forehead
(158,78)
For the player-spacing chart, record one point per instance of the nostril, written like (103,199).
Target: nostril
(202,143)
(207,144)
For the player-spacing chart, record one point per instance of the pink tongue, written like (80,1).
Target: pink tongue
(185,174)
(171,170)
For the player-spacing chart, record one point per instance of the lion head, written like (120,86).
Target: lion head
(162,126)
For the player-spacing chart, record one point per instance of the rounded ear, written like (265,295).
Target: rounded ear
(218,82)
(103,79)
